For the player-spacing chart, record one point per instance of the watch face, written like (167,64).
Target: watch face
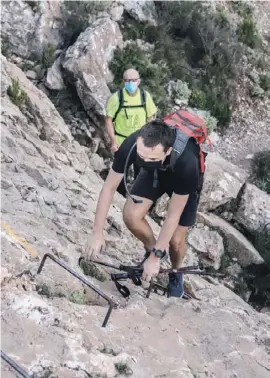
(159,253)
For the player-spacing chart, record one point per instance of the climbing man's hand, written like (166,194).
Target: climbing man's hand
(95,245)
(151,267)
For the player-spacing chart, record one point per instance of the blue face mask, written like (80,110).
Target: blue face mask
(131,86)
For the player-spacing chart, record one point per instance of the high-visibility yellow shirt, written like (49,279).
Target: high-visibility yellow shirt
(130,119)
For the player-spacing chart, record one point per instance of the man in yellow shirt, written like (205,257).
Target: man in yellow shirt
(128,110)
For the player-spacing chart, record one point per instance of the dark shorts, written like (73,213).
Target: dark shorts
(143,187)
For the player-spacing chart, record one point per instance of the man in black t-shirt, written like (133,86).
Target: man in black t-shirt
(152,148)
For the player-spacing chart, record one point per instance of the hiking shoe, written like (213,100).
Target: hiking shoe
(176,284)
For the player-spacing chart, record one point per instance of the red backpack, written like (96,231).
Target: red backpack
(187,126)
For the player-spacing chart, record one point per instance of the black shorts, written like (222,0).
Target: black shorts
(143,187)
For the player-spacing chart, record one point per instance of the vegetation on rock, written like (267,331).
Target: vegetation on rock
(261,170)
(76,16)
(17,94)
(194,44)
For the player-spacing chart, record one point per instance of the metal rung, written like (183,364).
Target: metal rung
(15,366)
(112,304)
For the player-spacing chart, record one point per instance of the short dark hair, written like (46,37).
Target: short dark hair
(157,132)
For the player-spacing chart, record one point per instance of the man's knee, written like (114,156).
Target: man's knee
(131,214)
(178,241)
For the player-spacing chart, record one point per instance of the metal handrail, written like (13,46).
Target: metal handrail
(112,304)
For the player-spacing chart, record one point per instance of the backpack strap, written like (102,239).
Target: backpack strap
(143,101)
(121,101)
(178,147)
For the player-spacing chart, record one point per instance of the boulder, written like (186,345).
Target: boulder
(222,182)
(86,63)
(254,209)
(236,244)
(142,11)
(116,12)
(54,78)
(27,29)
(208,244)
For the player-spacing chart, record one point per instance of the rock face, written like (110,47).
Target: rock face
(86,62)
(39,108)
(222,182)
(254,209)
(208,244)
(28,28)
(236,244)
(49,196)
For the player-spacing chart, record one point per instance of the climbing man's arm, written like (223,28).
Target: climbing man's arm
(105,199)
(111,133)
(111,109)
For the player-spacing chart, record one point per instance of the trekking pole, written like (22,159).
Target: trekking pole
(15,366)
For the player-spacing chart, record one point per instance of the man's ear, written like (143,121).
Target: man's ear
(169,151)
(139,82)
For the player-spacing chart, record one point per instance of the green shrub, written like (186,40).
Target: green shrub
(123,368)
(261,170)
(261,241)
(153,76)
(48,55)
(265,82)
(77,296)
(178,92)
(211,123)
(256,91)
(242,8)
(197,99)
(196,45)
(247,33)
(18,96)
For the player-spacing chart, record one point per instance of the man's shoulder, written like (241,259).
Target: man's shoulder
(188,160)
(114,96)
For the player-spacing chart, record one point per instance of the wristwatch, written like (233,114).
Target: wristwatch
(159,253)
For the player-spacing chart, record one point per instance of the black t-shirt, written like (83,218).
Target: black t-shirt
(185,178)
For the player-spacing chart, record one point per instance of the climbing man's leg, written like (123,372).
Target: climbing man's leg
(178,247)
(134,213)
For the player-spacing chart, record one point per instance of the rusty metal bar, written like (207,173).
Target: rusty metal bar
(112,304)
(15,366)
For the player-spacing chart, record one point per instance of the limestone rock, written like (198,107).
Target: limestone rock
(54,78)
(5,275)
(28,29)
(31,75)
(222,182)
(97,163)
(48,121)
(142,10)
(209,244)
(254,209)
(116,12)
(87,60)
(236,244)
